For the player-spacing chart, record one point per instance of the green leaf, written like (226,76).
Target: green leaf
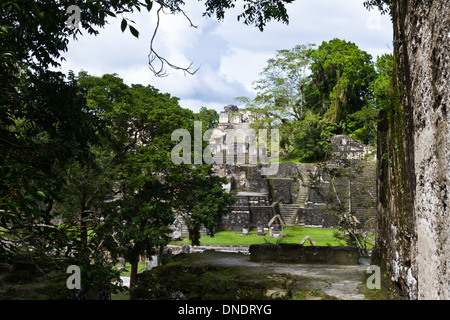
(134,32)
(149,4)
(41,194)
(123,25)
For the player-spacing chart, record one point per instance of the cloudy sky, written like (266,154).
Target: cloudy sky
(230,55)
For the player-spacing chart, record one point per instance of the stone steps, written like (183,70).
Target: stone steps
(302,195)
(363,195)
(288,213)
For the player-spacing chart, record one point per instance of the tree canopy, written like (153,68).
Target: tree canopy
(146,187)
(340,78)
(86,161)
(313,92)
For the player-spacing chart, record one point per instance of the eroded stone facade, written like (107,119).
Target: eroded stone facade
(414,154)
(287,191)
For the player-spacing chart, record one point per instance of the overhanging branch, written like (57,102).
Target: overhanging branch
(154,58)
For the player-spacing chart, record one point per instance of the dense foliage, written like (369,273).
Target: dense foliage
(85,162)
(311,93)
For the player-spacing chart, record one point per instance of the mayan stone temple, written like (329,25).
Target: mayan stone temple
(284,194)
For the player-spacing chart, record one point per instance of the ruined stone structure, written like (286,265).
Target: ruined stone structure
(345,147)
(233,140)
(231,114)
(297,253)
(285,192)
(413,245)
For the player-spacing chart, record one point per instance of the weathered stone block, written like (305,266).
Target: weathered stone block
(234,220)
(315,217)
(263,214)
(282,189)
(296,253)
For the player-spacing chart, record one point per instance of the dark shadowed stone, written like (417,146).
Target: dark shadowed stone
(296,253)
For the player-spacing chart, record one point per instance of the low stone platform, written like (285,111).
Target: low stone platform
(296,253)
(219,248)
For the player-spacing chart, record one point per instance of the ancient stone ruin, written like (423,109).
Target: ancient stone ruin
(345,147)
(233,141)
(288,195)
(297,253)
(290,192)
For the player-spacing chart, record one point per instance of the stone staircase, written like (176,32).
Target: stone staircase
(289,211)
(363,194)
(302,195)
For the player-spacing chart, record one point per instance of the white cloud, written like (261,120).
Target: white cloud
(230,54)
(243,66)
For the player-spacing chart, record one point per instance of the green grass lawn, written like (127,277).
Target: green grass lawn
(141,267)
(322,237)
(295,160)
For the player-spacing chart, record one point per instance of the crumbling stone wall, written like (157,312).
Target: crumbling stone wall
(413,243)
(315,217)
(346,147)
(297,253)
(249,209)
(283,190)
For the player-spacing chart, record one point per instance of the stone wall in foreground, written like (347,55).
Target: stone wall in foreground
(413,244)
(297,253)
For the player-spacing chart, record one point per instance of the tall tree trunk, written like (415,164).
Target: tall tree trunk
(134,267)
(133,275)
(413,240)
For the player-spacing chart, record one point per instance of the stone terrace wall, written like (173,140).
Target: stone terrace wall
(284,188)
(297,253)
(249,209)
